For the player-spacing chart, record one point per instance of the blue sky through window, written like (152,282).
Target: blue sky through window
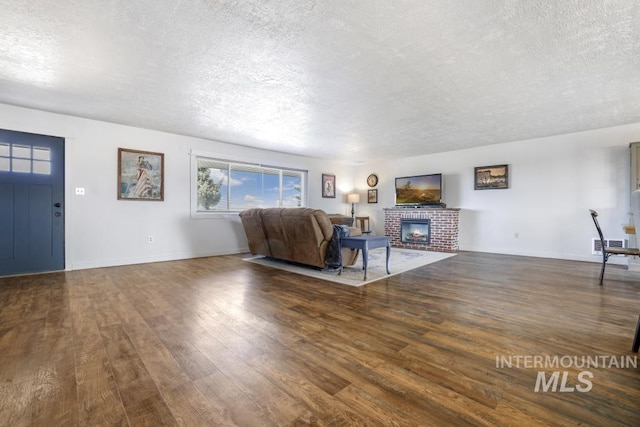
(247,186)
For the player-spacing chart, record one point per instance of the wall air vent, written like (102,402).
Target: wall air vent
(596,246)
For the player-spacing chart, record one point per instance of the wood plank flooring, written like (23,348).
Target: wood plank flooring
(220,341)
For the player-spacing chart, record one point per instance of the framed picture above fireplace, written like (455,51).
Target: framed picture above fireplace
(491,177)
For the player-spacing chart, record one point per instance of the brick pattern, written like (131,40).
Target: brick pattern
(444,227)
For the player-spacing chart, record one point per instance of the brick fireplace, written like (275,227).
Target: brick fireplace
(442,228)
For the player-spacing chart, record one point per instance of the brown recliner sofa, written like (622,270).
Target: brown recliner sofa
(299,235)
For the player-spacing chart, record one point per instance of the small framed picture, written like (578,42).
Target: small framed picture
(491,177)
(140,175)
(372,196)
(328,186)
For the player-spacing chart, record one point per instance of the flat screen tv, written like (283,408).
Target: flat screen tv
(419,190)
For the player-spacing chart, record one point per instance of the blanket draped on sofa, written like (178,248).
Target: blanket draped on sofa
(334,251)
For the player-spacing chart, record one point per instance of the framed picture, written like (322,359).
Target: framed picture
(140,175)
(328,186)
(372,196)
(491,177)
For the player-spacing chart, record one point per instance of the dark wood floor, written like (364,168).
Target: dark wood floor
(220,341)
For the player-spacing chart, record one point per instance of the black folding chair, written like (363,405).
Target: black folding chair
(608,251)
(636,338)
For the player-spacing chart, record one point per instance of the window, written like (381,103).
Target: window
(227,186)
(24,159)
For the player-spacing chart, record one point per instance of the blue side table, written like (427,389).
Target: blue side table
(364,243)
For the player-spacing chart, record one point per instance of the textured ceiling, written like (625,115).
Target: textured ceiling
(364,78)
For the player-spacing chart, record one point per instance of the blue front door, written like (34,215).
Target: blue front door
(31,203)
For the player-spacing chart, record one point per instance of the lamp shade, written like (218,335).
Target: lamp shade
(353,198)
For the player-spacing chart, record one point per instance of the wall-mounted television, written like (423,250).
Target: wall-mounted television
(419,190)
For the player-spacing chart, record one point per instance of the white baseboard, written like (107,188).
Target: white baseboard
(114,262)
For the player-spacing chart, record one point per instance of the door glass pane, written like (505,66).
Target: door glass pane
(22,151)
(41,167)
(41,153)
(21,165)
(4,164)
(4,149)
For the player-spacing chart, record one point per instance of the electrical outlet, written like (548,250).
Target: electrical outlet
(150,239)
(79,191)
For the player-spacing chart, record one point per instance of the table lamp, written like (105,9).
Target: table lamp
(353,198)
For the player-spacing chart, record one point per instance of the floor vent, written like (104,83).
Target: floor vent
(596,246)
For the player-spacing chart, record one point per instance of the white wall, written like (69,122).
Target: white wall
(101,230)
(554,182)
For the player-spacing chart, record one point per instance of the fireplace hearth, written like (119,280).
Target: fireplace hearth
(413,230)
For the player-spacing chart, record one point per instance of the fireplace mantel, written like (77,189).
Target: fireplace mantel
(444,227)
